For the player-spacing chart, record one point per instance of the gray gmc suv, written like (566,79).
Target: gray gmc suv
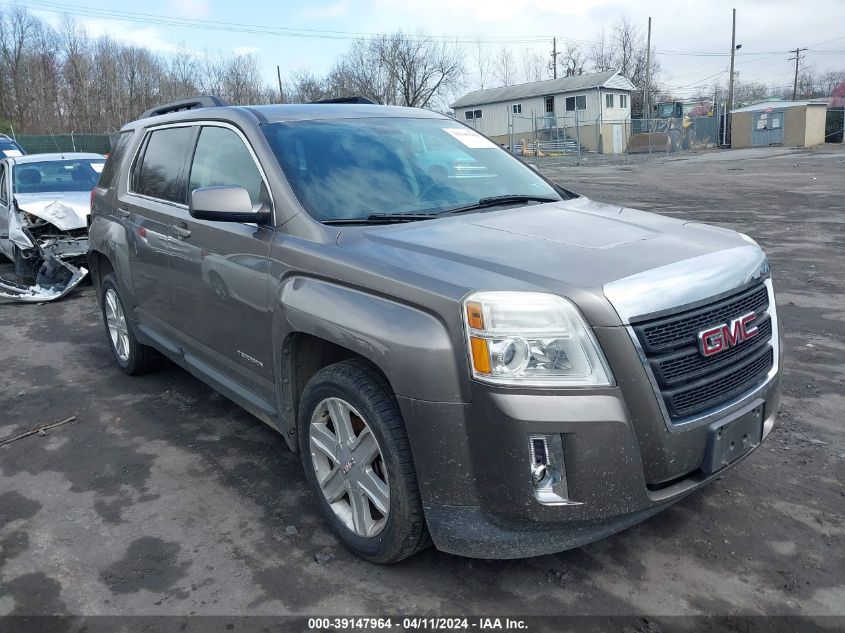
(461,351)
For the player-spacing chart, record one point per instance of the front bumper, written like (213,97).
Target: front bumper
(621,463)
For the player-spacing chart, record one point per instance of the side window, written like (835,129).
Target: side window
(608,100)
(108,177)
(4,187)
(159,173)
(221,158)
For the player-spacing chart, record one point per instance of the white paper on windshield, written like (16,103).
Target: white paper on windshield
(468,137)
(11,153)
(98,167)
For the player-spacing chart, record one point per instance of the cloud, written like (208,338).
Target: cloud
(245,50)
(189,8)
(327,11)
(148,36)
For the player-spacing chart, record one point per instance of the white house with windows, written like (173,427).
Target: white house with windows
(593,110)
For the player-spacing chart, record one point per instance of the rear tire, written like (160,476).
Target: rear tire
(390,525)
(132,357)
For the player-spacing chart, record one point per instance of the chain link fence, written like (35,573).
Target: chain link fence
(550,141)
(49,143)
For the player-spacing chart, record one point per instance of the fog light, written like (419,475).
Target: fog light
(548,474)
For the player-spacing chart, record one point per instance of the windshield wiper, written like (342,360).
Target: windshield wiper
(397,218)
(382,218)
(495,201)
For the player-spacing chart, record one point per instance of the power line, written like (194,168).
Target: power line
(53,6)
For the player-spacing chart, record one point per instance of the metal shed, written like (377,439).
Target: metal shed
(790,123)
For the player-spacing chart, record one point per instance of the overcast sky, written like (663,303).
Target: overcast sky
(692,39)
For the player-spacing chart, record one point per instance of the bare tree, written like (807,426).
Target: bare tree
(533,65)
(360,73)
(573,59)
(61,80)
(16,33)
(423,69)
(504,67)
(601,54)
(304,87)
(625,50)
(482,62)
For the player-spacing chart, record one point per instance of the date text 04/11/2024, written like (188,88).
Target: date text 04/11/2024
(418,624)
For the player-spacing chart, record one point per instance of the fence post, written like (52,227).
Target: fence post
(578,136)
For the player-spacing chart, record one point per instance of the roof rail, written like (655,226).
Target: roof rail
(193,103)
(357,99)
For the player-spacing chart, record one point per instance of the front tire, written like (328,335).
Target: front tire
(358,462)
(132,357)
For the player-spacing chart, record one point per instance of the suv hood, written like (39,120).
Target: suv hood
(65,210)
(573,247)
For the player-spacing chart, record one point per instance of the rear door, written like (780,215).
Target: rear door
(156,196)
(219,270)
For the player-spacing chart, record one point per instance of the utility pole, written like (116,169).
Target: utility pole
(797,58)
(646,109)
(729,105)
(281,92)
(554,57)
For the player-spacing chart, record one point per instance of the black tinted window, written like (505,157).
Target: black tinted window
(120,144)
(159,174)
(223,159)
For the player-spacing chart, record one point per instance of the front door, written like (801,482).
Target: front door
(767,128)
(618,139)
(219,270)
(5,207)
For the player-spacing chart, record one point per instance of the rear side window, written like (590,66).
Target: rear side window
(159,173)
(222,158)
(108,177)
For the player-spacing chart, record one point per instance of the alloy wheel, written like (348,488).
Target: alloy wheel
(116,322)
(349,466)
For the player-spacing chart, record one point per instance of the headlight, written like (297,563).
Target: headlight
(531,338)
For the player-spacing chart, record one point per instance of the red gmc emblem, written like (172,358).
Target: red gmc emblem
(722,337)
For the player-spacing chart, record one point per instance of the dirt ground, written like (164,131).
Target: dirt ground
(165,498)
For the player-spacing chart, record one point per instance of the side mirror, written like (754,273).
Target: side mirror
(224,204)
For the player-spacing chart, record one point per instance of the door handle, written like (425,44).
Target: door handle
(123,213)
(182,230)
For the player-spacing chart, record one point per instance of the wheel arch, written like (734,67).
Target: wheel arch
(318,323)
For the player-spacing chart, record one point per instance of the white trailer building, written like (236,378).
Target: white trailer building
(593,110)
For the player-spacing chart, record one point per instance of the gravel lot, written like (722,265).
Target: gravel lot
(165,498)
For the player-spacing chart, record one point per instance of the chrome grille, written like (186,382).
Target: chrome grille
(671,332)
(691,383)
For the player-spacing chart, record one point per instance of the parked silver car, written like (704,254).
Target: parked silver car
(45,201)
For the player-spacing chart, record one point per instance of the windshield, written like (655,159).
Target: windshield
(355,168)
(57,175)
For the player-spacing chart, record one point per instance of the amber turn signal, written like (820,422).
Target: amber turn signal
(480,355)
(475,315)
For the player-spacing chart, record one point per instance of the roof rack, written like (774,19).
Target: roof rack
(206,101)
(358,99)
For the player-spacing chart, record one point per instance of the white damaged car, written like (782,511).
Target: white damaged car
(45,200)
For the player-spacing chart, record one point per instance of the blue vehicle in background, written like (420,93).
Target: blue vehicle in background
(9,147)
